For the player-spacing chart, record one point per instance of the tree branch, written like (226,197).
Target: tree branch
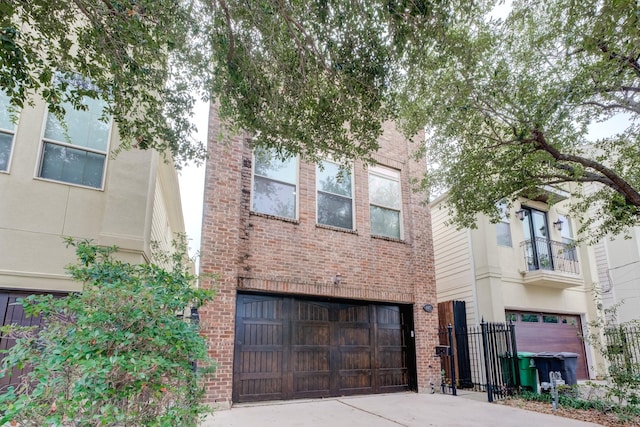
(627,60)
(631,108)
(227,17)
(615,182)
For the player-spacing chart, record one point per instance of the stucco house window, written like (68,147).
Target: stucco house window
(275,184)
(385,202)
(76,152)
(7,132)
(334,195)
(569,252)
(503,228)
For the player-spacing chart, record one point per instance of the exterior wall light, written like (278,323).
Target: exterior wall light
(520,214)
(558,225)
(337,279)
(428,308)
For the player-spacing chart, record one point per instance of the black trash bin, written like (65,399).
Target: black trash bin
(570,366)
(564,362)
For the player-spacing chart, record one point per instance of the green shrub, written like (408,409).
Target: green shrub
(115,354)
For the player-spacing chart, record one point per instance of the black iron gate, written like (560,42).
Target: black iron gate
(480,358)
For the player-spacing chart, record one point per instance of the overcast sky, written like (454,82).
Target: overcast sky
(192,185)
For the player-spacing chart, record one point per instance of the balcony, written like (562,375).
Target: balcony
(550,263)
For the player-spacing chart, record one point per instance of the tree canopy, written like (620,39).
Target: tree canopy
(510,112)
(507,102)
(142,57)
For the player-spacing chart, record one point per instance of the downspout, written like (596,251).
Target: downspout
(474,285)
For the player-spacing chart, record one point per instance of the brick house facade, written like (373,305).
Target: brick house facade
(282,264)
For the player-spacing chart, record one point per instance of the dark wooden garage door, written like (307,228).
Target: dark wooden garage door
(12,313)
(538,332)
(288,348)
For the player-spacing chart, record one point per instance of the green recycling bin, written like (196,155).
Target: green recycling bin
(527,370)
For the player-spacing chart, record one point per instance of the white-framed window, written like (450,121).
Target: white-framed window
(275,184)
(76,152)
(566,232)
(334,195)
(503,228)
(7,132)
(385,202)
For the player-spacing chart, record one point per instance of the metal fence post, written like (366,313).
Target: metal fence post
(516,362)
(452,358)
(485,345)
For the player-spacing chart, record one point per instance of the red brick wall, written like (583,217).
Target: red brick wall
(258,252)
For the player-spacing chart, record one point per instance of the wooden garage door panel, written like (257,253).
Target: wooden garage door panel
(393,372)
(12,313)
(260,334)
(553,337)
(310,349)
(323,349)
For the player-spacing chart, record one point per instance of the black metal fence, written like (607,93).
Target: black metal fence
(623,348)
(480,358)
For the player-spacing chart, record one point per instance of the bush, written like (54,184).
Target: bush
(114,355)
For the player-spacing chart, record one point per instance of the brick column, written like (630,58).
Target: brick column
(219,251)
(424,282)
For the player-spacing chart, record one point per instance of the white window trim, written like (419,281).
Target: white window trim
(40,159)
(391,174)
(353,198)
(296,192)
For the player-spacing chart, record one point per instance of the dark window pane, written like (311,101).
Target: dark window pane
(549,318)
(531,318)
(335,210)
(385,222)
(93,170)
(511,317)
(71,165)
(274,198)
(6,141)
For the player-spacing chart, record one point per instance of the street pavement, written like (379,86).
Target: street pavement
(386,410)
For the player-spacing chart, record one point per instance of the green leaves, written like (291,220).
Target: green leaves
(116,352)
(132,51)
(509,104)
(321,77)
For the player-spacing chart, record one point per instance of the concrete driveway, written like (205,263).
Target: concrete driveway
(386,410)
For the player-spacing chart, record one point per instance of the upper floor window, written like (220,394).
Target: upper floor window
(75,151)
(335,195)
(7,132)
(566,231)
(275,184)
(385,202)
(503,228)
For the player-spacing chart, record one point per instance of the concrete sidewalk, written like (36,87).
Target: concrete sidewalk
(386,410)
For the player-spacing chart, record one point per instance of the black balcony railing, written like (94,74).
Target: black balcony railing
(545,254)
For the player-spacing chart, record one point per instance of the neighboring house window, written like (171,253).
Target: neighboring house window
(567,238)
(385,202)
(335,195)
(76,152)
(503,228)
(7,132)
(274,184)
